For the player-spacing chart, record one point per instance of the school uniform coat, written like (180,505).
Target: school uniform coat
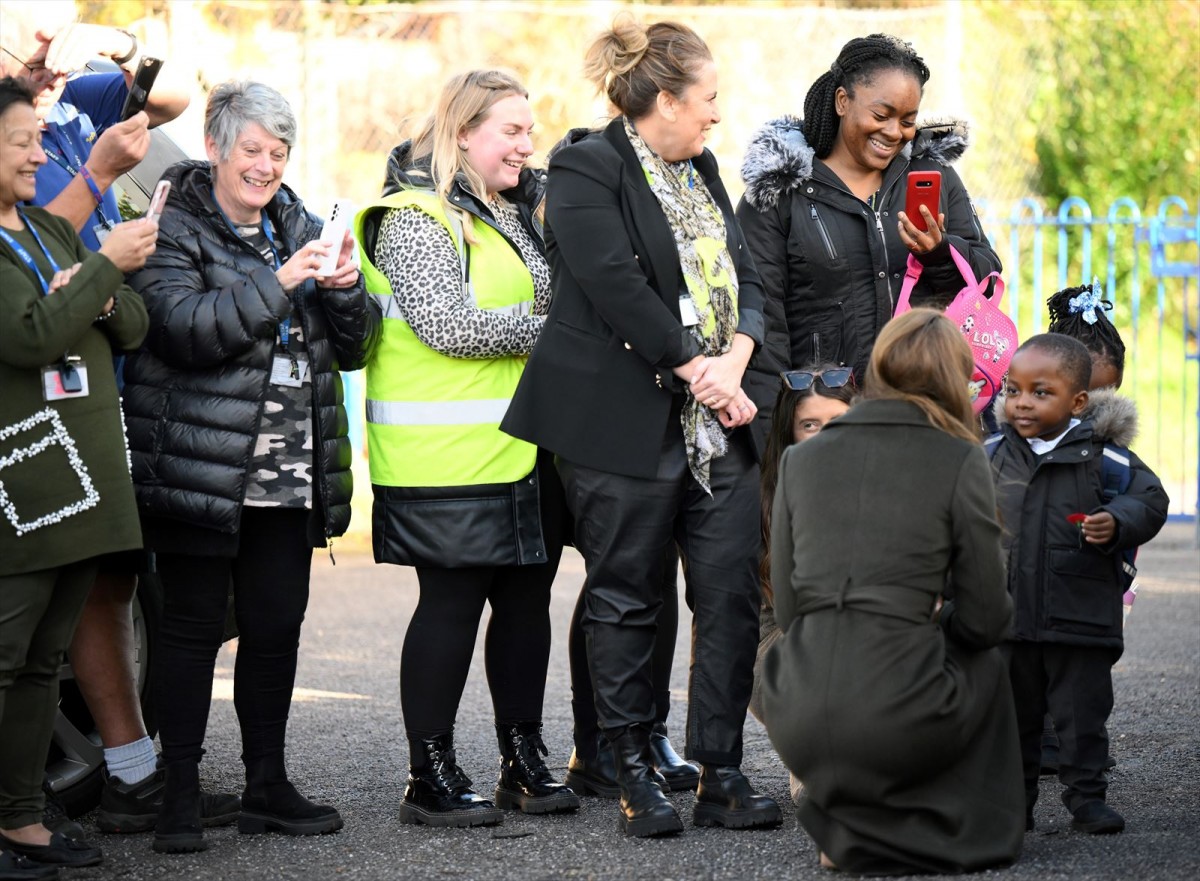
(597,389)
(901,727)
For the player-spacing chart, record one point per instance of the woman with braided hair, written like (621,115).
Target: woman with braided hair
(823,207)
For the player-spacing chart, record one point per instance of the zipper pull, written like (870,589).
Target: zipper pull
(879,224)
(812,210)
(329,545)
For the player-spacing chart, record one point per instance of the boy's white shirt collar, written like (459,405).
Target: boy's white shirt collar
(1041,447)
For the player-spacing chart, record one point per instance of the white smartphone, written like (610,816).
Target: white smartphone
(158,201)
(333,232)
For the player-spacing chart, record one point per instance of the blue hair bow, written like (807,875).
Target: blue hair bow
(1087,303)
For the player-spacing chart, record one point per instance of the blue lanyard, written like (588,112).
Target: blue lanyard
(61,161)
(285,326)
(27,257)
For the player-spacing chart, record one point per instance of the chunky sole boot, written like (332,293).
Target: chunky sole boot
(645,810)
(254,823)
(179,842)
(178,828)
(270,803)
(676,773)
(482,814)
(725,798)
(560,802)
(438,793)
(525,783)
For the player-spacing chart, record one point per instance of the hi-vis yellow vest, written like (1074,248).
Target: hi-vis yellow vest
(433,420)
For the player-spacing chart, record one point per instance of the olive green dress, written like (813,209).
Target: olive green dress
(902,729)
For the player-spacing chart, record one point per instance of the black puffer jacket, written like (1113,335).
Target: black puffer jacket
(1064,589)
(837,265)
(194,392)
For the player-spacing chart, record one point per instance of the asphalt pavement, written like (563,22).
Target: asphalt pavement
(346,747)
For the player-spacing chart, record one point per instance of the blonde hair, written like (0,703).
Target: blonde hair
(464,104)
(631,63)
(922,358)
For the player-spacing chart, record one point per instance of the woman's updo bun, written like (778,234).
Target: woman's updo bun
(631,63)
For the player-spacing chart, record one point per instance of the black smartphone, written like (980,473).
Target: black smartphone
(139,89)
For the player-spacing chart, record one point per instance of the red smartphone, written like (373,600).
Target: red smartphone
(158,201)
(924,188)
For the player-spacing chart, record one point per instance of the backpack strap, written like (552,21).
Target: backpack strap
(992,444)
(1115,477)
(1115,473)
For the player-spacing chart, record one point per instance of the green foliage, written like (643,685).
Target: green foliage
(1116,108)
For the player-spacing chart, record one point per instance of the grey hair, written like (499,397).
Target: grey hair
(235,104)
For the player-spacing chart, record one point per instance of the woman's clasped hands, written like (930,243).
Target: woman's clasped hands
(716,382)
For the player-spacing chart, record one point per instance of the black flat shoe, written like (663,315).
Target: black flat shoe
(61,851)
(14,867)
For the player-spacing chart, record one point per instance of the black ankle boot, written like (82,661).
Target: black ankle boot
(271,803)
(597,774)
(726,798)
(525,782)
(438,792)
(178,828)
(645,810)
(677,773)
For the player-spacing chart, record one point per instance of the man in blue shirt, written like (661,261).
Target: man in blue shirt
(89,148)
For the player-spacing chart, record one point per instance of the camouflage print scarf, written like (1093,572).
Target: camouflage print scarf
(712,285)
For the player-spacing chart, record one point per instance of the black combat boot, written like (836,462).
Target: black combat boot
(645,810)
(438,792)
(525,782)
(596,774)
(178,828)
(677,773)
(726,798)
(270,803)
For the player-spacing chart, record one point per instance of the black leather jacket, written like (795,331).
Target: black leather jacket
(194,392)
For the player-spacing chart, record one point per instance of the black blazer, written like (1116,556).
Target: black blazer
(598,387)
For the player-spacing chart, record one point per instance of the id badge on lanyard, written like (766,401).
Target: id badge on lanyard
(68,378)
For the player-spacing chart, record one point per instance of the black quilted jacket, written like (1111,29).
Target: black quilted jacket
(194,391)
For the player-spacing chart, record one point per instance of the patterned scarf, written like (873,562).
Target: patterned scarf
(712,286)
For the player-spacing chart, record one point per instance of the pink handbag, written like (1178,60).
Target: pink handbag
(989,332)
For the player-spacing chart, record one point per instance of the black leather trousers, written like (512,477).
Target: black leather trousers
(624,527)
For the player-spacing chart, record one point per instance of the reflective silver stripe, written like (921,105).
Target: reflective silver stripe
(436,412)
(1117,457)
(389,306)
(519,309)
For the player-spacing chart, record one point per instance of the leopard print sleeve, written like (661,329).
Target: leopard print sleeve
(422,265)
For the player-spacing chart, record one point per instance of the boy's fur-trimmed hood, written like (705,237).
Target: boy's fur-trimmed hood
(779,158)
(1113,416)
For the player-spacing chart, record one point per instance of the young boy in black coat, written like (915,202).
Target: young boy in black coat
(1063,538)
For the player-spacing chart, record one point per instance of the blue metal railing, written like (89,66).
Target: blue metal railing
(1164,244)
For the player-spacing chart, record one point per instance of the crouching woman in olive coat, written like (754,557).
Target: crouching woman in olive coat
(886,694)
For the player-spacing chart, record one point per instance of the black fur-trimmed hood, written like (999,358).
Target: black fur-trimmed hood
(779,158)
(1113,416)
